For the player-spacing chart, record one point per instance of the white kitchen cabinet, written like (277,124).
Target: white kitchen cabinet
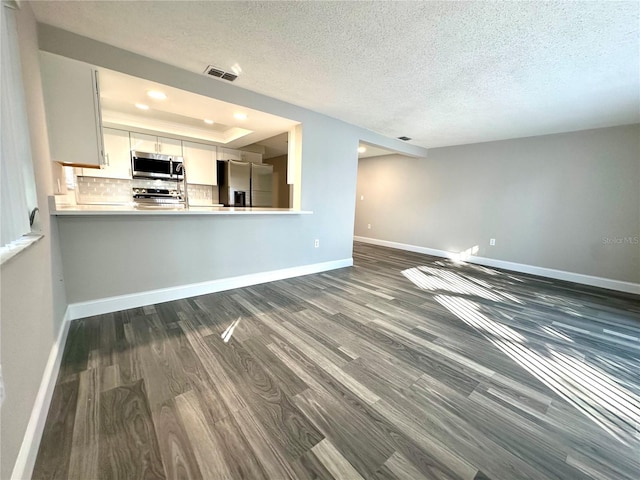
(229,154)
(200,163)
(153,144)
(144,143)
(232,154)
(72,103)
(117,156)
(251,157)
(169,146)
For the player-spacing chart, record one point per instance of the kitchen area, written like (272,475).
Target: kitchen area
(117,253)
(121,143)
(185,233)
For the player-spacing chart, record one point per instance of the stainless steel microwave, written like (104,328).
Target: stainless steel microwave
(155,165)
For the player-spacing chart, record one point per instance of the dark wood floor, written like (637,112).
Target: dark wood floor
(403,367)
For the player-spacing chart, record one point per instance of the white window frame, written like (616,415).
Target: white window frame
(17,181)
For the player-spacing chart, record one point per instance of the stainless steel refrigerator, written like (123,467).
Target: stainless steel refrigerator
(261,185)
(234,183)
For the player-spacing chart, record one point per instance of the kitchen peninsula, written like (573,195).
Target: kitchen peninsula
(119,257)
(131,209)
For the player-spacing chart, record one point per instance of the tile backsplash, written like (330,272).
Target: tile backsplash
(91,190)
(97,190)
(202,194)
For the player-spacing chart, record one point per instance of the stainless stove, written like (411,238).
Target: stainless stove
(161,197)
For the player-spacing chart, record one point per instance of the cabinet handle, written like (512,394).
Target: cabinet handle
(59,187)
(106,156)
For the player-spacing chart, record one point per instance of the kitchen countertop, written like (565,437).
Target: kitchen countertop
(131,209)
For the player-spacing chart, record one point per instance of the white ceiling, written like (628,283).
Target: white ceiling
(443,73)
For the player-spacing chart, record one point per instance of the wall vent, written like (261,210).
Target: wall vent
(404,139)
(216,72)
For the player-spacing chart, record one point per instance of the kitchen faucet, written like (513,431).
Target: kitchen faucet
(180,169)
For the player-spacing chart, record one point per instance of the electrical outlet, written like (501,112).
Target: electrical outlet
(368,226)
(316,243)
(492,242)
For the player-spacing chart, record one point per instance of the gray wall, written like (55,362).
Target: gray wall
(104,257)
(549,201)
(32,299)
(115,255)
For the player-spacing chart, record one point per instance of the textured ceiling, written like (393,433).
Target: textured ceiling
(443,73)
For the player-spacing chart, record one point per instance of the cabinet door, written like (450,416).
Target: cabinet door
(142,142)
(200,163)
(229,154)
(72,104)
(251,157)
(117,156)
(169,146)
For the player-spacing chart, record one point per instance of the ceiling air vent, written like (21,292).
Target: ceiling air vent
(229,76)
(404,139)
(216,72)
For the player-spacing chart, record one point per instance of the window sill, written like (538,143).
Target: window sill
(18,246)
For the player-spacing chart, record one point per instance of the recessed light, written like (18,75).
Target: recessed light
(208,121)
(362,149)
(157,95)
(240,116)
(142,106)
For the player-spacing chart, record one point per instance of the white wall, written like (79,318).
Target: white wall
(32,296)
(549,201)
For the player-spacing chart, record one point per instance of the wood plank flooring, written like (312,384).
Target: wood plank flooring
(403,367)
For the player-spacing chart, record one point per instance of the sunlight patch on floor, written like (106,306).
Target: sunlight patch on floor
(599,395)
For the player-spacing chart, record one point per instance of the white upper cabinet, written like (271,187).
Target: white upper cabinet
(229,154)
(152,144)
(200,163)
(142,142)
(169,146)
(251,157)
(117,156)
(72,103)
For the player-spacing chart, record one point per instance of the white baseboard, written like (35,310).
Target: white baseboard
(140,299)
(26,459)
(609,283)
(407,247)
